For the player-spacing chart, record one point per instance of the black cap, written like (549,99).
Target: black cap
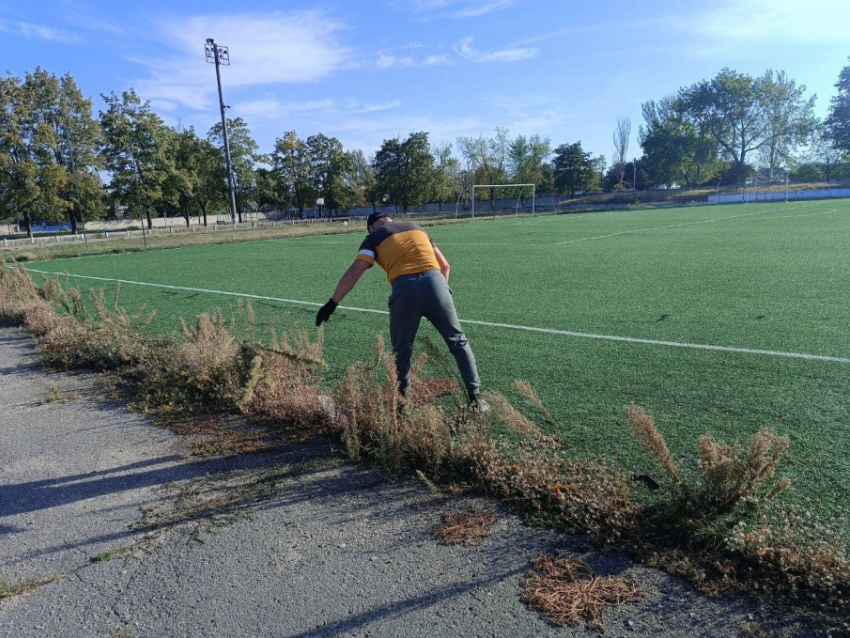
(374,217)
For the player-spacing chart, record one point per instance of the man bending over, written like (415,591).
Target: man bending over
(419,275)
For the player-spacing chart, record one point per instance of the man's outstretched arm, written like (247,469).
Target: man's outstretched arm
(346,283)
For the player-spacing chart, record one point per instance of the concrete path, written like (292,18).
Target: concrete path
(133,536)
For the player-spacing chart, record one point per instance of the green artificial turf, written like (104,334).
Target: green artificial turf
(767,276)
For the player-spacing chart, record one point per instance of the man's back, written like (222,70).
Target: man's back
(400,248)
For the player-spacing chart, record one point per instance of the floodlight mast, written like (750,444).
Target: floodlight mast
(219,55)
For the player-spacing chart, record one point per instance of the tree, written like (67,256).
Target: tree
(329,167)
(404,170)
(573,168)
(183,182)
(243,154)
(362,179)
(526,156)
(838,122)
(824,157)
(446,183)
(291,161)
(790,119)
(621,145)
(18,166)
(487,159)
(674,150)
(211,189)
(65,137)
(737,111)
(48,163)
(136,151)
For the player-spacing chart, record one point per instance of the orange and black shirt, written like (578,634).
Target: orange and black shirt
(400,248)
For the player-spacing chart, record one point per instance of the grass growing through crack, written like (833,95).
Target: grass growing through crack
(25,586)
(218,499)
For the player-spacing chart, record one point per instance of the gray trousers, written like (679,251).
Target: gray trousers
(428,295)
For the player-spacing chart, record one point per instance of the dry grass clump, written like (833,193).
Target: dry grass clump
(801,556)
(729,476)
(281,384)
(375,420)
(566,591)
(464,528)
(582,496)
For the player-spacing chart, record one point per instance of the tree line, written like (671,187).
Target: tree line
(61,163)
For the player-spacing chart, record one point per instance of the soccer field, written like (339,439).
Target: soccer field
(716,319)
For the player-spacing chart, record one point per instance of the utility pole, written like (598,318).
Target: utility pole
(219,55)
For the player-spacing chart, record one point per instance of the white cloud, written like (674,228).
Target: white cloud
(460,8)
(264,49)
(511,54)
(436,59)
(387,60)
(271,108)
(40,32)
(778,20)
(371,108)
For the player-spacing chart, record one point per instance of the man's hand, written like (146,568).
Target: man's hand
(325,312)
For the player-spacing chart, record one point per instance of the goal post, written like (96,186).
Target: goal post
(520,186)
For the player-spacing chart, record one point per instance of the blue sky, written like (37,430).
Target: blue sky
(369,70)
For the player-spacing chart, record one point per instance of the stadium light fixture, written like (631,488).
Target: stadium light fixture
(218,55)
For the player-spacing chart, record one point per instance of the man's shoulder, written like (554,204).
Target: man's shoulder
(399,227)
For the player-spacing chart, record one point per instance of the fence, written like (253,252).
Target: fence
(752,196)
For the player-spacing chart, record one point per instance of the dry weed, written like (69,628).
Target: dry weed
(566,591)
(25,586)
(464,528)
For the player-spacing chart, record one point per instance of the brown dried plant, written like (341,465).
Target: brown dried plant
(731,475)
(525,389)
(464,528)
(566,591)
(643,426)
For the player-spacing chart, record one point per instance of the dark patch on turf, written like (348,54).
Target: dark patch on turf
(663,318)
(759,317)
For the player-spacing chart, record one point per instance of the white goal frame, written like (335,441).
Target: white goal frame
(533,194)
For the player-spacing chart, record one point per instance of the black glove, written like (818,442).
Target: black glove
(325,312)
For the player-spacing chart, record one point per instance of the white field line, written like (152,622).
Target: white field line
(490,324)
(640,230)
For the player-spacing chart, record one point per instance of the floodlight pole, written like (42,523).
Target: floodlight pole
(216,50)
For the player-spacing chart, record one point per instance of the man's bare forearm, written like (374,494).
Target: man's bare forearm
(348,281)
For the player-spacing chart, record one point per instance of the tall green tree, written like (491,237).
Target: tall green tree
(573,168)
(243,154)
(737,111)
(404,170)
(675,151)
(838,122)
(362,179)
(330,167)
(137,151)
(526,156)
(487,159)
(291,162)
(19,189)
(446,182)
(182,184)
(211,190)
(790,119)
(65,137)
